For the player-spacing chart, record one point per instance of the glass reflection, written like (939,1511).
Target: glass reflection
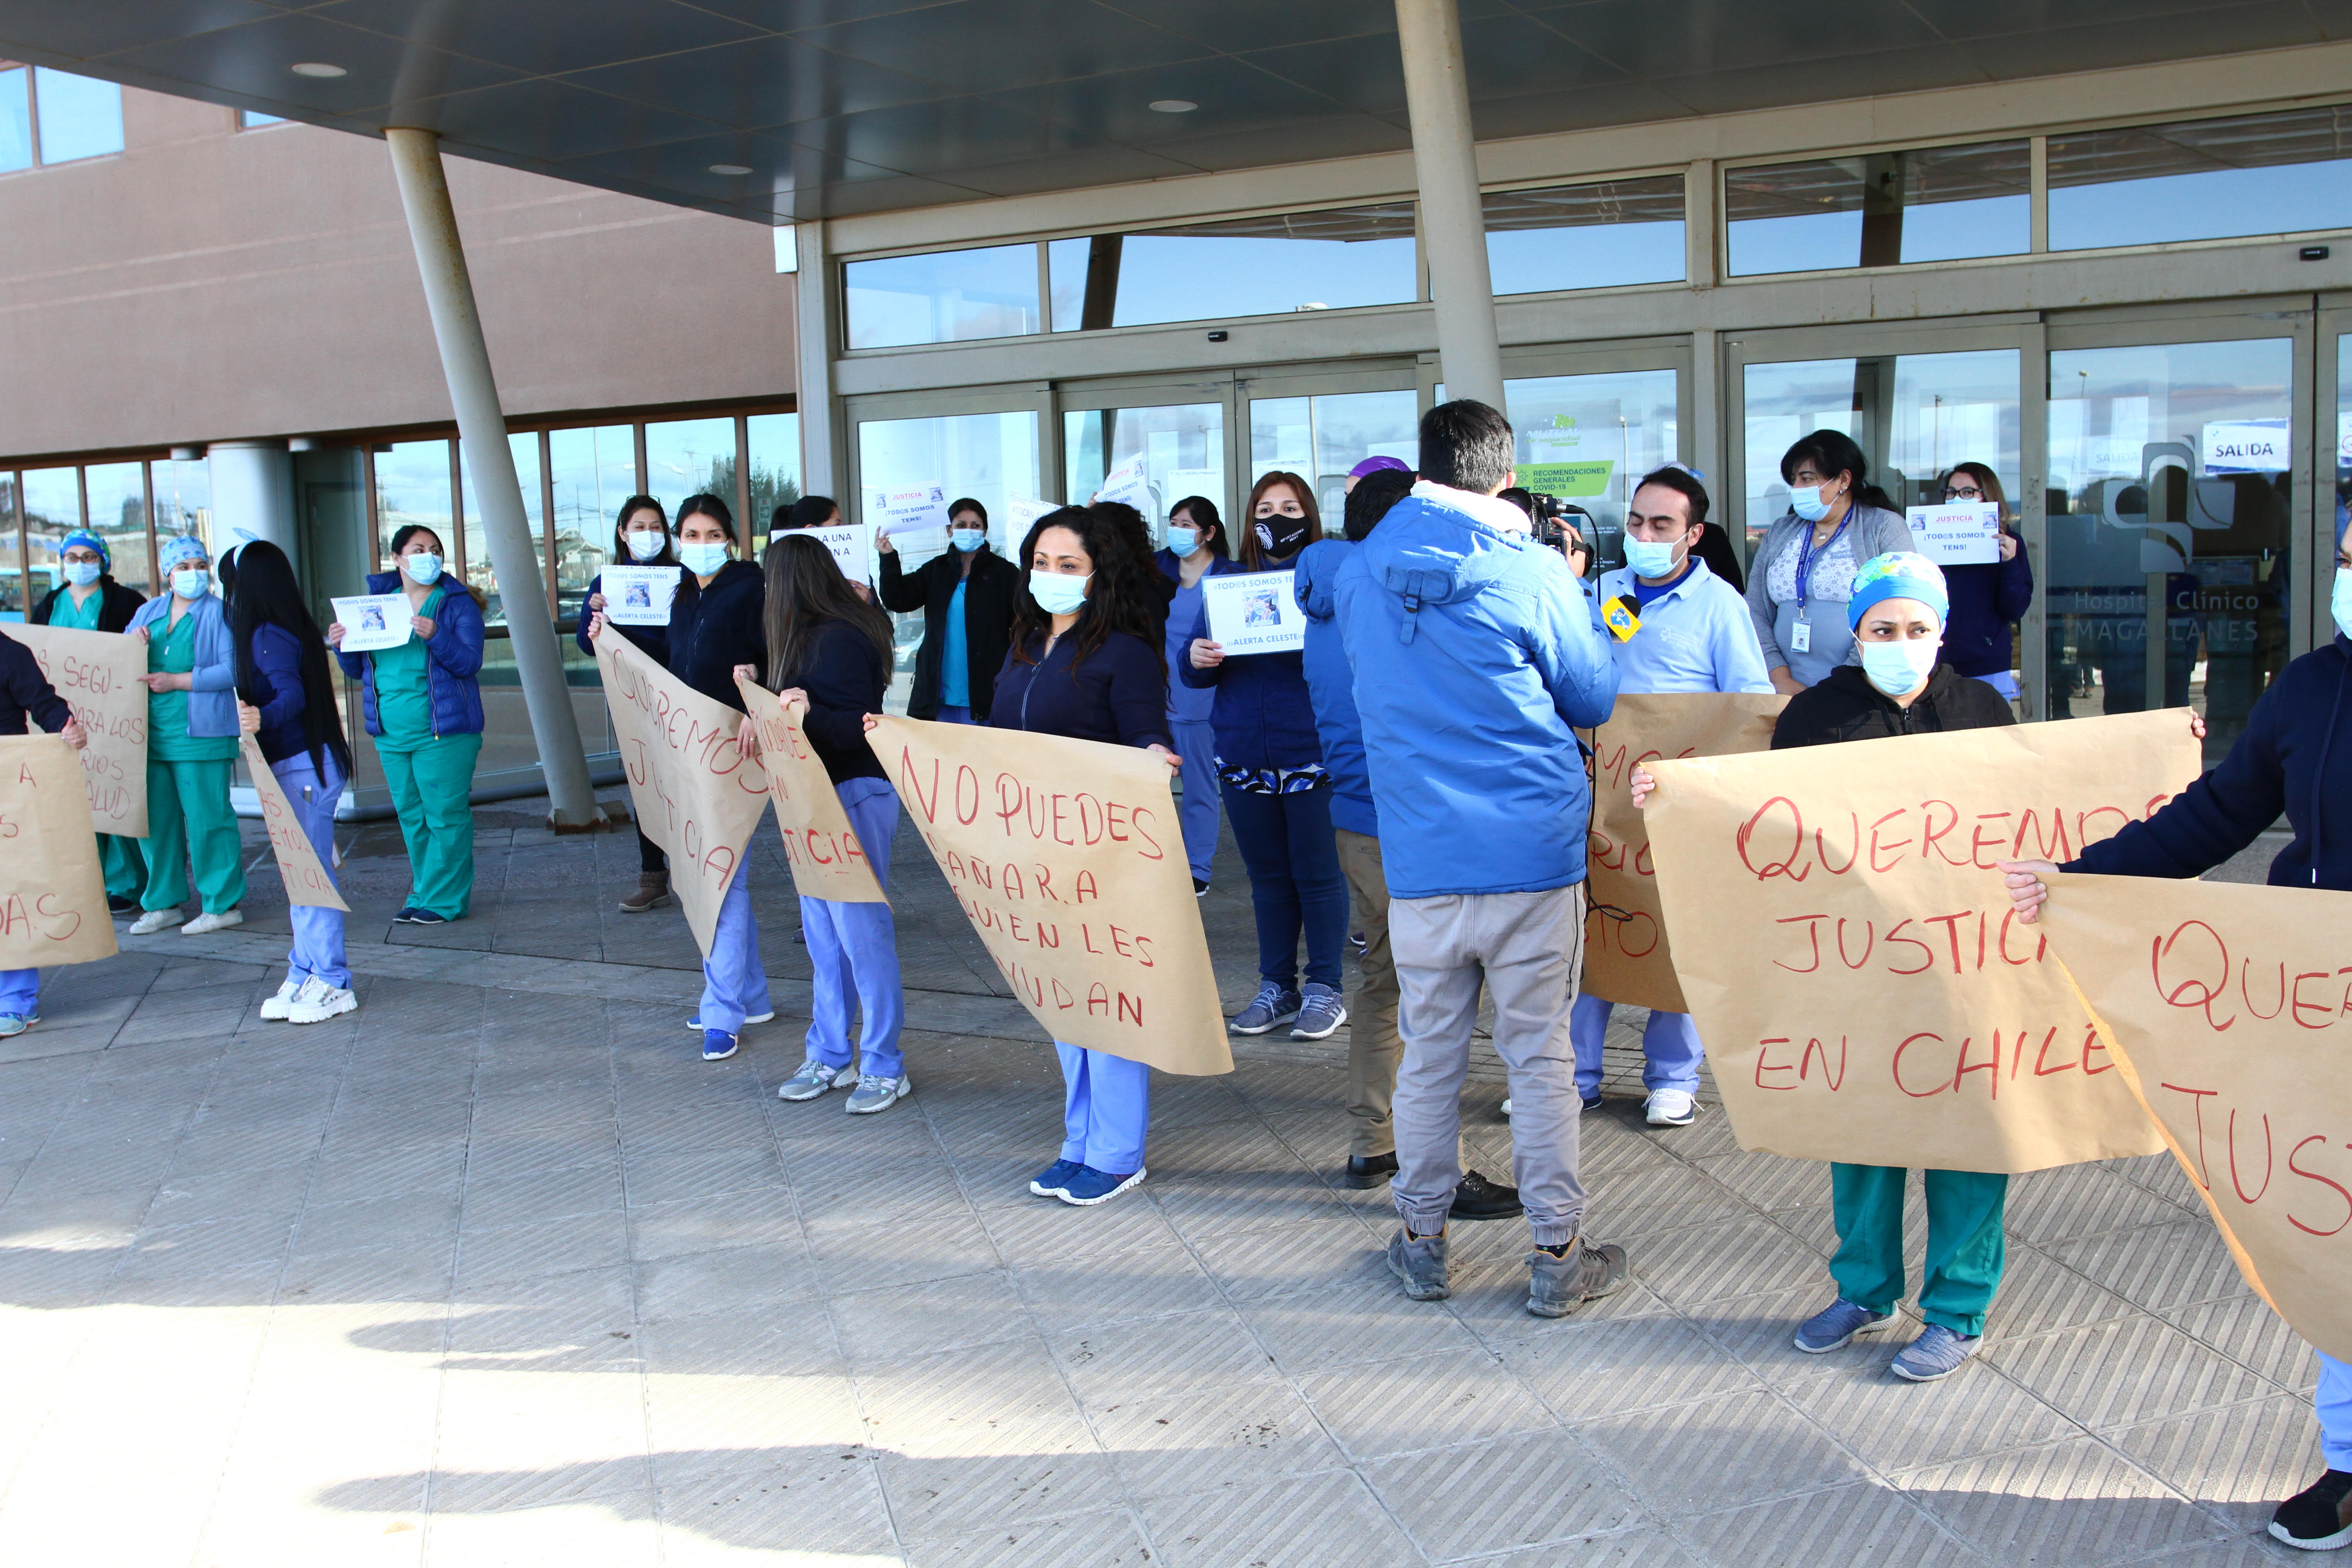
(1323,436)
(594,470)
(479,574)
(412,486)
(2205,179)
(944,297)
(1925,204)
(1600,235)
(79,116)
(1589,439)
(1329,260)
(13,602)
(118,514)
(772,464)
(51,499)
(1182,447)
(688,457)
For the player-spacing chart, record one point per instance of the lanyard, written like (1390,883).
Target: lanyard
(1805,554)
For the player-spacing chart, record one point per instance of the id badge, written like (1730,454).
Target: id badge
(1800,638)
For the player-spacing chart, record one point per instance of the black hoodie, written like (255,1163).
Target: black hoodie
(713,629)
(1846,706)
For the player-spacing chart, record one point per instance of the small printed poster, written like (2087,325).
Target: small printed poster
(1253,611)
(908,508)
(1128,484)
(2247,446)
(373,622)
(1965,534)
(640,595)
(848,543)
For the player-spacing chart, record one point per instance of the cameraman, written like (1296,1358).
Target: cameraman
(1477,654)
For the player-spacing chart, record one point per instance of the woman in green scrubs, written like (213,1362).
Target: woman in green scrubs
(90,600)
(423,707)
(191,732)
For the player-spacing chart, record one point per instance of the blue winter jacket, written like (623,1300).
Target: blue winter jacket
(1331,683)
(212,697)
(453,661)
(1476,655)
(1264,717)
(2295,757)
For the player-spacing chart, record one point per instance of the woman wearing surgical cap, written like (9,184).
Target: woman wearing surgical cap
(90,600)
(191,730)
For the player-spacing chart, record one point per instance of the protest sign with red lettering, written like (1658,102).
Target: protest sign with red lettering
(52,893)
(1849,952)
(1626,955)
(1066,857)
(694,793)
(2229,1010)
(307,882)
(819,844)
(98,675)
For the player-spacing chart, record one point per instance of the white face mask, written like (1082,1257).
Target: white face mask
(1058,592)
(2341,600)
(192,582)
(1183,540)
(967,538)
(1899,668)
(1806,502)
(645,543)
(422,568)
(703,557)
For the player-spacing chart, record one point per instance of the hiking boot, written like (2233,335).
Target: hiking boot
(1272,1005)
(653,893)
(2319,1517)
(1559,1283)
(1319,1013)
(1937,1353)
(1420,1262)
(1834,1326)
(1477,1198)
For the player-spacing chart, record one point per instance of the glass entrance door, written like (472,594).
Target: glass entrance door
(1324,434)
(1182,447)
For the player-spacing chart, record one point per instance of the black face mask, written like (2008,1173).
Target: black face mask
(1282,535)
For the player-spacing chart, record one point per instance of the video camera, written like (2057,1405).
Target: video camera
(1552,529)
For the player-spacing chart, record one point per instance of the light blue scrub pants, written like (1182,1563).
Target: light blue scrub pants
(20,992)
(854,948)
(317,947)
(1106,1109)
(733,983)
(1196,742)
(1670,1049)
(2333,1403)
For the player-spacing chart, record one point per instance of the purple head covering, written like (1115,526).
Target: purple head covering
(1374,465)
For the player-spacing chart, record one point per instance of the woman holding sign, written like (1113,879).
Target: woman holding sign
(286,701)
(966,597)
(1277,795)
(1803,567)
(90,600)
(832,648)
(191,748)
(640,538)
(1196,547)
(423,703)
(2294,757)
(26,698)
(1085,663)
(1988,597)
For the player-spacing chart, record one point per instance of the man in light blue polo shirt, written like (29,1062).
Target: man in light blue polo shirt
(1696,634)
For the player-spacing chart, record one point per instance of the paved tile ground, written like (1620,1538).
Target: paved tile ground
(496,1271)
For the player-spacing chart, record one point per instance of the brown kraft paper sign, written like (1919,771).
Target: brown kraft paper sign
(694,793)
(2228,1009)
(822,848)
(1850,955)
(1626,955)
(98,675)
(307,882)
(1065,856)
(52,893)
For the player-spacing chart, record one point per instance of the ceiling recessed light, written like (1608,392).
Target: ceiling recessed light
(318,68)
(1173,106)
(731,168)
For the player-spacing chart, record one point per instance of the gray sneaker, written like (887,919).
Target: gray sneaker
(814,1078)
(1274,1005)
(1557,1285)
(1834,1326)
(1420,1262)
(1319,1013)
(1937,1353)
(874,1092)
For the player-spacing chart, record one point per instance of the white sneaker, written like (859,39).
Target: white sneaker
(316,1006)
(274,1009)
(205,924)
(154,921)
(1670,1108)
(1507,1105)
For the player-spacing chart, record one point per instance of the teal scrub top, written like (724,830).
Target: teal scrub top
(404,691)
(173,647)
(82,617)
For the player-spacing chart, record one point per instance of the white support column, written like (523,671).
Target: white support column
(1453,220)
(482,436)
(253,494)
(813,349)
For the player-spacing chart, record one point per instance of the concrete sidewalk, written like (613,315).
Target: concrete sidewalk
(496,1271)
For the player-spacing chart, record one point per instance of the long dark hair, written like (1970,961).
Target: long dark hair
(1115,597)
(805,592)
(1831,453)
(1204,516)
(711,507)
(621,556)
(263,590)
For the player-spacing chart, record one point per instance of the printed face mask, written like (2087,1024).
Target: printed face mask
(1282,535)
(82,574)
(1649,558)
(703,557)
(645,543)
(967,538)
(1899,669)
(1806,502)
(1183,540)
(424,569)
(192,582)
(1058,592)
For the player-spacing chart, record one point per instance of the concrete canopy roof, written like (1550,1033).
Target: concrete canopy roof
(830,108)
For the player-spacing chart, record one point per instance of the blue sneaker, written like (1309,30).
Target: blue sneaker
(16,1023)
(426,918)
(1272,1005)
(718,1045)
(1834,1326)
(1937,1353)
(1049,1181)
(1090,1187)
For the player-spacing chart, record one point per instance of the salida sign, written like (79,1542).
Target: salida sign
(1847,946)
(1066,857)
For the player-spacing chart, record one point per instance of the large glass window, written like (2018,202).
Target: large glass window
(772,463)
(79,116)
(2204,179)
(184,498)
(118,514)
(479,575)
(412,486)
(52,507)
(16,119)
(1879,209)
(254,119)
(2169,519)
(1598,236)
(1323,437)
(944,297)
(12,560)
(691,457)
(593,469)
(1327,260)
(1182,447)
(1589,439)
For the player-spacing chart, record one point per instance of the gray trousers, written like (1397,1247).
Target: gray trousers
(1529,949)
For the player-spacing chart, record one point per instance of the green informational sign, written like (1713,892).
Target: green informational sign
(1588,479)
